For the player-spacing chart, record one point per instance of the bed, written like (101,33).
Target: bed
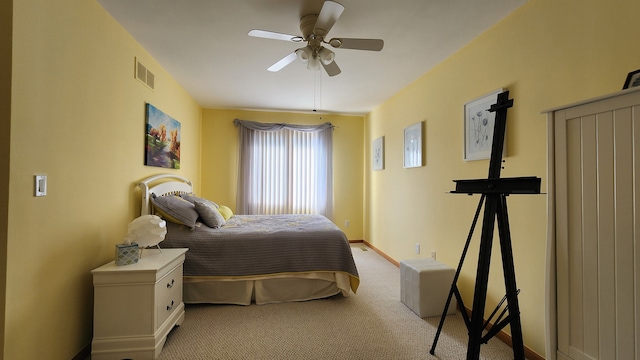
(249,258)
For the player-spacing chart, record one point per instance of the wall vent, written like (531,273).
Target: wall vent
(144,75)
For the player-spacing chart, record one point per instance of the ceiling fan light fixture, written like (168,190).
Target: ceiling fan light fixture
(314,28)
(304,54)
(314,63)
(326,56)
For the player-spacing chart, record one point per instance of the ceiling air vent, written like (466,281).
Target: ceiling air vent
(144,75)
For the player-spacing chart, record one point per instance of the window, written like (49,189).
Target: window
(285,169)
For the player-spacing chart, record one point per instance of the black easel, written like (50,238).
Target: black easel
(494,191)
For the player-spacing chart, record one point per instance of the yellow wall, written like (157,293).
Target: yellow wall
(547,53)
(220,154)
(77,116)
(6,24)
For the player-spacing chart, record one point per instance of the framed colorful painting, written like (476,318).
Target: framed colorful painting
(162,139)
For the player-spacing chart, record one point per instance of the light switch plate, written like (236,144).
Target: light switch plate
(40,185)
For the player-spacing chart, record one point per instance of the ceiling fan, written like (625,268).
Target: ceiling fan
(314,28)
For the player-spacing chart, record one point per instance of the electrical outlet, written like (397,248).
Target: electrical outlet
(433,254)
(346,223)
(417,248)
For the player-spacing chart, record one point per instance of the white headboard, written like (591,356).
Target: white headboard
(161,185)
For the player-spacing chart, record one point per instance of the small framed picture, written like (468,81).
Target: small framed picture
(413,146)
(377,154)
(633,80)
(479,123)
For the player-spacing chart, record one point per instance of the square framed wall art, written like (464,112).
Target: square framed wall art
(413,146)
(479,123)
(633,80)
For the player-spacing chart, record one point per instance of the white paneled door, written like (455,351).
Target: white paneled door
(596,176)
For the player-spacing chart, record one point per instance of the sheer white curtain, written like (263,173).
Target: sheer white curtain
(285,169)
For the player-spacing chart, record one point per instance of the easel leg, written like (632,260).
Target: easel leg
(482,278)
(510,280)
(454,288)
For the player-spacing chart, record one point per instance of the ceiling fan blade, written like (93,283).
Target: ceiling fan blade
(283,62)
(357,44)
(328,16)
(332,69)
(274,35)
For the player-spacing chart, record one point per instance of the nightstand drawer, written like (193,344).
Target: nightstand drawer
(167,306)
(169,283)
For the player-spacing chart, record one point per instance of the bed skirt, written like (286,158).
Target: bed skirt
(265,289)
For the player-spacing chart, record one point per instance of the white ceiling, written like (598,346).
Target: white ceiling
(204,45)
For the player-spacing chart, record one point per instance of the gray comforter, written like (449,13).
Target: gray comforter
(263,244)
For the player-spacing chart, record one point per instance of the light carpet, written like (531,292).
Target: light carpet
(373,324)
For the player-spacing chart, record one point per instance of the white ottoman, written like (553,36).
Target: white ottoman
(425,285)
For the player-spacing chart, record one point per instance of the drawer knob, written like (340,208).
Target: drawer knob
(170,307)
(170,285)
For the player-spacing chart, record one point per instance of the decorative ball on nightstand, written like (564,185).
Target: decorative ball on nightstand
(146,231)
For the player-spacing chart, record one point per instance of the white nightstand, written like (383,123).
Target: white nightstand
(135,306)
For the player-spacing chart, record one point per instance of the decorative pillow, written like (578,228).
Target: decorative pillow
(193,198)
(175,209)
(225,212)
(209,214)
